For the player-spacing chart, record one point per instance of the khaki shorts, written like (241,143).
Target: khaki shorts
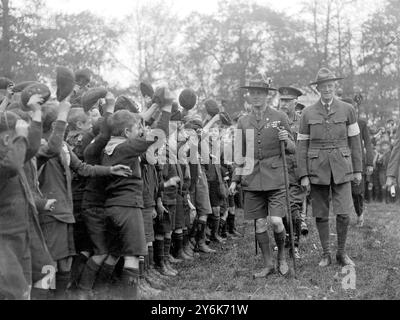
(342,200)
(260,204)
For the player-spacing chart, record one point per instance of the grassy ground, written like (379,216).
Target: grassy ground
(375,249)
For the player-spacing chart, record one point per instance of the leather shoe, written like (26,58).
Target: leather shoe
(325,261)
(205,248)
(263,273)
(283,267)
(344,260)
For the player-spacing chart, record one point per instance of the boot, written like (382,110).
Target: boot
(283,267)
(200,239)
(159,262)
(263,241)
(179,254)
(167,262)
(186,245)
(214,230)
(342,226)
(231,227)
(323,231)
(223,229)
(129,284)
(144,286)
(78,265)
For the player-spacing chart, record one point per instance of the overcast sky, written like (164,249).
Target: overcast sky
(119,8)
(116,8)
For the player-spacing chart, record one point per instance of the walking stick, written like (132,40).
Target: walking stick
(255,236)
(289,213)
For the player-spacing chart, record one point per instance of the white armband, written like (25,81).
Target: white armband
(303,137)
(353,130)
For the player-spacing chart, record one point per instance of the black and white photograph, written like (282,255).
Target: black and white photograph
(211,152)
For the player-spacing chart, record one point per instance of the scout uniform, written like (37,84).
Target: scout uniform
(297,194)
(264,187)
(329,152)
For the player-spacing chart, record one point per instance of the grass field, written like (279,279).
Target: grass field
(375,249)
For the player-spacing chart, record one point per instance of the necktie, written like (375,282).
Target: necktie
(327,108)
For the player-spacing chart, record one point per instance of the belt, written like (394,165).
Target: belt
(328,144)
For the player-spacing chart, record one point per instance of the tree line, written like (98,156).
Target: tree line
(212,53)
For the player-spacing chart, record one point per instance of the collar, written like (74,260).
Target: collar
(113,143)
(329,103)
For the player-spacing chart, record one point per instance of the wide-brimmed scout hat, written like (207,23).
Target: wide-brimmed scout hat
(125,103)
(212,107)
(258,82)
(289,93)
(36,88)
(324,75)
(188,99)
(65,82)
(5,83)
(83,76)
(90,98)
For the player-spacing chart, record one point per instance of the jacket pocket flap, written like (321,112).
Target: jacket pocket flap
(345,153)
(339,120)
(312,154)
(315,121)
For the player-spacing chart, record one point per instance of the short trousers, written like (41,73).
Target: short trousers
(126,231)
(59,238)
(342,200)
(260,204)
(167,223)
(95,221)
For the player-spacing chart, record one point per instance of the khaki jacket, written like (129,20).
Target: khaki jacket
(268,166)
(329,145)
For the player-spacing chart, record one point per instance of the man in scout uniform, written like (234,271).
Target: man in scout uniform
(264,187)
(329,157)
(288,101)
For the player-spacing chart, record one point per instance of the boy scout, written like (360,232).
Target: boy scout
(329,157)
(288,99)
(264,187)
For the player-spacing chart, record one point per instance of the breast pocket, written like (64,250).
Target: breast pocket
(317,129)
(339,128)
(312,161)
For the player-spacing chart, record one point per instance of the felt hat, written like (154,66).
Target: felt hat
(258,82)
(19,87)
(65,83)
(5,83)
(36,88)
(125,103)
(289,93)
(188,99)
(212,107)
(162,96)
(324,75)
(83,76)
(90,98)
(146,89)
